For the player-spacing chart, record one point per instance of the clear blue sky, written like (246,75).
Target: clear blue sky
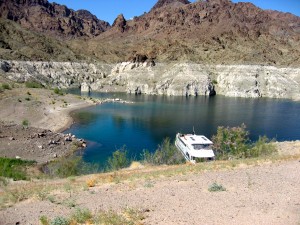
(108,10)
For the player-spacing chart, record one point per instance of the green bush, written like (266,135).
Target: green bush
(25,123)
(14,168)
(65,167)
(112,218)
(263,147)
(44,220)
(231,142)
(82,215)
(118,160)
(6,86)
(216,187)
(58,91)
(33,84)
(70,166)
(167,153)
(59,221)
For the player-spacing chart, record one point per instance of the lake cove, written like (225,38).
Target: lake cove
(149,119)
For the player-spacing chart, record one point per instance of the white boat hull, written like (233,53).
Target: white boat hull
(189,153)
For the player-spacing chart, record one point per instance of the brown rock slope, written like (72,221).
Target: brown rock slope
(212,31)
(22,44)
(52,18)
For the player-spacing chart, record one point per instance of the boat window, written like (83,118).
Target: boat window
(201,146)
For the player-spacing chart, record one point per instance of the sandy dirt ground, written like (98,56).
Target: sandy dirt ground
(41,107)
(266,194)
(47,113)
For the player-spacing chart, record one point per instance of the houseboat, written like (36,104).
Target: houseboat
(194,147)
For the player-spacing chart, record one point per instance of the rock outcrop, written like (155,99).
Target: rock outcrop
(55,74)
(258,81)
(119,24)
(180,79)
(176,3)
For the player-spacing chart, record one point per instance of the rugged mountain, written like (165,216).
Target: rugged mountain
(51,18)
(22,44)
(207,32)
(212,31)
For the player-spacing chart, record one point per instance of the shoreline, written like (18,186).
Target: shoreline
(62,117)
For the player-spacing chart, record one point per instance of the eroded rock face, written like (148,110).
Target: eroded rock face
(55,74)
(119,23)
(258,81)
(181,79)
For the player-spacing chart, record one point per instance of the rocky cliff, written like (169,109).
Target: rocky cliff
(252,81)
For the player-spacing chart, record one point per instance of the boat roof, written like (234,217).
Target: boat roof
(195,139)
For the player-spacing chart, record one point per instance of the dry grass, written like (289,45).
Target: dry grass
(47,190)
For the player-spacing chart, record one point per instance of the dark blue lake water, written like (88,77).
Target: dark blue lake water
(144,124)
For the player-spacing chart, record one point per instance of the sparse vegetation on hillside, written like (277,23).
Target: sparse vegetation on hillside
(85,216)
(58,91)
(6,86)
(70,166)
(33,84)
(14,168)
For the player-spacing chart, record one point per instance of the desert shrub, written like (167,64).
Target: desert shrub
(166,153)
(59,221)
(33,84)
(58,91)
(14,168)
(44,220)
(82,215)
(216,187)
(91,182)
(110,217)
(65,167)
(27,99)
(231,142)
(262,147)
(6,86)
(69,166)
(25,123)
(118,160)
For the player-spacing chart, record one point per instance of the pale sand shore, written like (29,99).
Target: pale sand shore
(44,110)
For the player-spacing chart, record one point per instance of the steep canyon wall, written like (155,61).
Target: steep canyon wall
(190,79)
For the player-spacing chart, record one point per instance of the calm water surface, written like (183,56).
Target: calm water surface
(144,124)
